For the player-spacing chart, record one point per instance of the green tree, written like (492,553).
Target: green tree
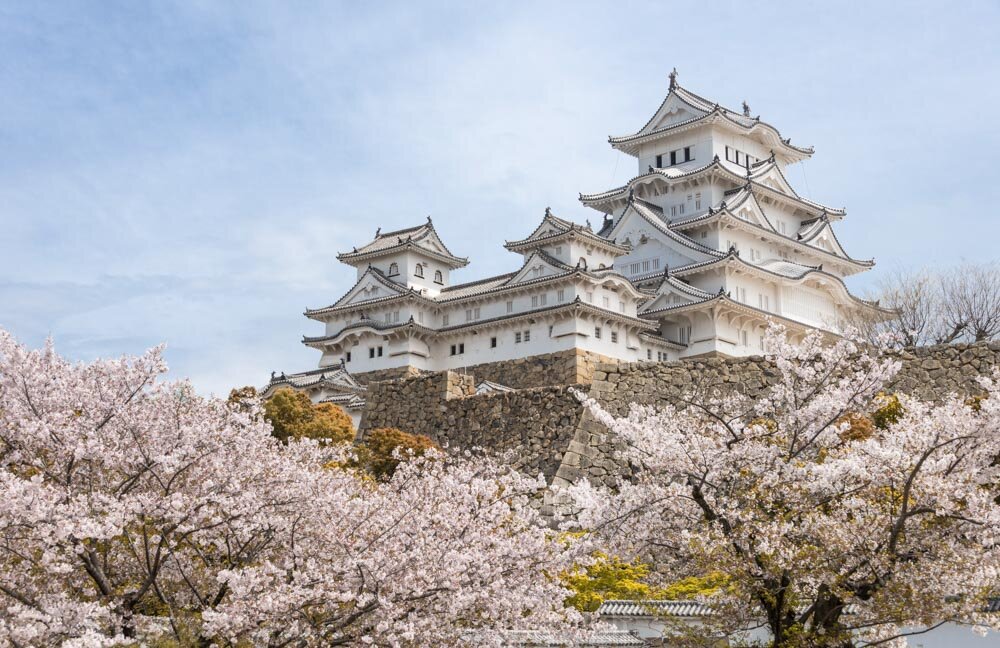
(377,454)
(611,578)
(293,416)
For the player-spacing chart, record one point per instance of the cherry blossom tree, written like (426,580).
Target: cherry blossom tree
(132,508)
(829,529)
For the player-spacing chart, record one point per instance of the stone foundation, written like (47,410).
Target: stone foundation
(533,425)
(547,431)
(380,375)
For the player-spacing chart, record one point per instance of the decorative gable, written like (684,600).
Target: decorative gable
(371,286)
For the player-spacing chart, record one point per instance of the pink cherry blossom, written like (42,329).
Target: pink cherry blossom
(823,532)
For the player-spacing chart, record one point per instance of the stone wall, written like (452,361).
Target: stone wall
(549,431)
(535,425)
(397,373)
(561,368)
(928,373)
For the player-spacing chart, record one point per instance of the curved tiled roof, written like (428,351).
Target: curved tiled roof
(725,211)
(783,269)
(593,200)
(621,608)
(401,292)
(639,206)
(398,240)
(712,111)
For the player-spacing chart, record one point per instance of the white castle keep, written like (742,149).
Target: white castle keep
(696,255)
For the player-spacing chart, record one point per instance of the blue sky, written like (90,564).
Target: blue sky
(186,172)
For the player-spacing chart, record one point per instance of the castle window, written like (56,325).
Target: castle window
(438,277)
(649,354)
(534,300)
(543,299)
(687,154)
(659,161)
(704,234)
(697,201)
(621,307)
(347,357)
(606,302)
(371,352)
(388,316)
(673,210)
(493,343)
(517,338)
(510,306)
(458,349)
(590,298)
(527,336)
(419,271)
(380,352)
(444,320)
(561,295)
(681,208)
(673,158)
(550,330)
(614,337)
(393,269)
(597,332)
(743,337)
(781,227)
(761,342)
(395,316)
(420,317)
(558,249)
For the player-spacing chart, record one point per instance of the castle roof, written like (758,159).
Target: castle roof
(423,239)
(608,201)
(810,230)
(555,230)
(335,378)
(787,270)
(683,110)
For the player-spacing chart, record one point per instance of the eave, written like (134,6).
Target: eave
(355,258)
(588,238)
(631,144)
(852,265)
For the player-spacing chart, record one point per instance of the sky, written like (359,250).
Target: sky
(186,172)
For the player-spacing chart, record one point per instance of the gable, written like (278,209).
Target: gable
(369,287)
(774,179)
(666,299)
(672,111)
(536,267)
(651,239)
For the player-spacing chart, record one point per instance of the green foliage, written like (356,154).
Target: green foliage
(375,455)
(611,578)
(693,586)
(890,411)
(293,416)
(607,578)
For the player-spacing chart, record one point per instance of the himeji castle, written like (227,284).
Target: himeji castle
(696,255)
